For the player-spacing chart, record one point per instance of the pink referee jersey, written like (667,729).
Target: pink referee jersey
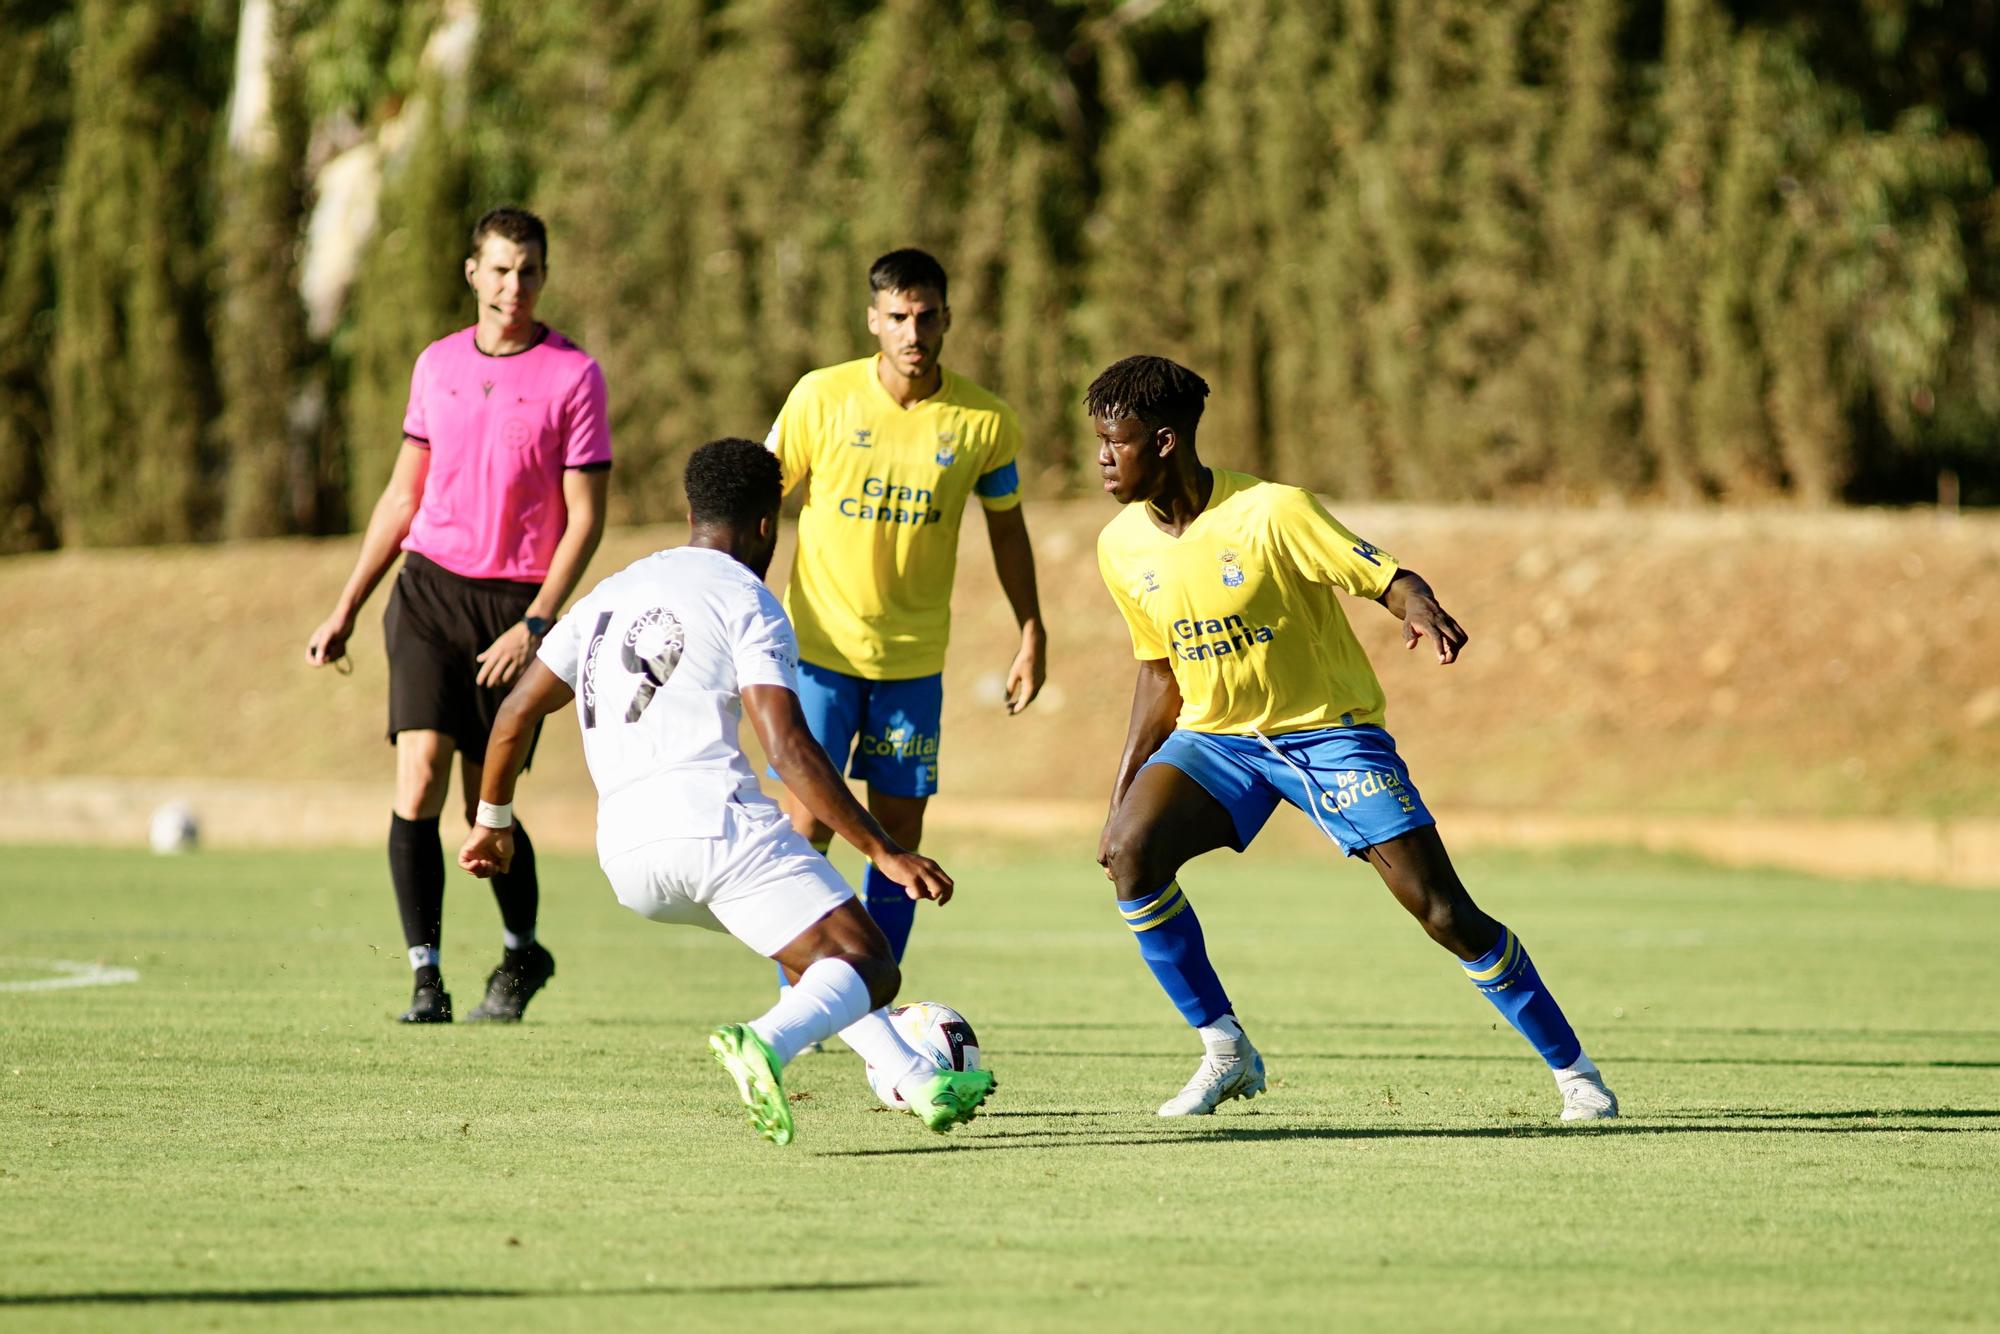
(501,432)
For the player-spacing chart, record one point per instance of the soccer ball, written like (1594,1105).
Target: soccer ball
(932,1030)
(173,829)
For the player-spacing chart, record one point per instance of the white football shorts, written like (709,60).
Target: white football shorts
(760,881)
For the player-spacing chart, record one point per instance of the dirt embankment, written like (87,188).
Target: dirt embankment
(1750,670)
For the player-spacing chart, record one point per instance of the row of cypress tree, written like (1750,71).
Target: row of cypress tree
(1436,249)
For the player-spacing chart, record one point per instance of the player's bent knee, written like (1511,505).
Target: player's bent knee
(1458,927)
(423,775)
(1441,925)
(1117,857)
(883,978)
(1135,864)
(421,801)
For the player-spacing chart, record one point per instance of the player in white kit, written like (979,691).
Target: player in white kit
(663,659)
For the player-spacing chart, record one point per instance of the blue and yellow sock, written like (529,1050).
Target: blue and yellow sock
(1507,977)
(1171,943)
(892,908)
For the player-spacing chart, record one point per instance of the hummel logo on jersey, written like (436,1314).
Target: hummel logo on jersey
(1368,551)
(1152,581)
(861,440)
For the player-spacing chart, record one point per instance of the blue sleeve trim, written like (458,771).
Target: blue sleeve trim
(1004,480)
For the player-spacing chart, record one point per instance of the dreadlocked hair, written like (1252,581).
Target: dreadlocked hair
(1155,390)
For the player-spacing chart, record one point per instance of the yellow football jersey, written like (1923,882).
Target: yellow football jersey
(870,592)
(1242,604)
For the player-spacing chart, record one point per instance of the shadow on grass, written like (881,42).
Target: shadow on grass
(1699,1114)
(307,1296)
(1494,1058)
(1061,1139)
(1623,1025)
(1858,1114)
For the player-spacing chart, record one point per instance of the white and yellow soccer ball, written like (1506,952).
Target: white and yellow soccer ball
(932,1030)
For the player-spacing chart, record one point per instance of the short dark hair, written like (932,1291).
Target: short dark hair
(733,481)
(515,224)
(1156,391)
(906,271)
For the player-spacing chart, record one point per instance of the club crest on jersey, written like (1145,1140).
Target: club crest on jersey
(652,649)
(1232,573)
(947,450)
(862,439)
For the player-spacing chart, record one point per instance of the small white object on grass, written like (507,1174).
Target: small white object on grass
(174,829)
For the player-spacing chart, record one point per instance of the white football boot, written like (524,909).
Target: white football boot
(1230,1068)
(1585,1098)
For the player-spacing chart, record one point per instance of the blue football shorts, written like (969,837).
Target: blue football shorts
(1349,779)
(886,732)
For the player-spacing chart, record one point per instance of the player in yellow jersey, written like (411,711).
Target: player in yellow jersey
(1251,691)
(895,445)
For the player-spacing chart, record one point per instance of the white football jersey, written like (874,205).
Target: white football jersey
(658,655)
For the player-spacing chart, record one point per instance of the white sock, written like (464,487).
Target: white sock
(828,997)
(514,942)
(876,1041)
(423,956)
(1582,1065)
(1224,1032)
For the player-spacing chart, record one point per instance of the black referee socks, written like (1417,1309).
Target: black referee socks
(416,867)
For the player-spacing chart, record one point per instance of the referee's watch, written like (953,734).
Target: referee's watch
(538,626)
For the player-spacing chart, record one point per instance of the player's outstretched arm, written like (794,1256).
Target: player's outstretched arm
(489,848)
(1014,562)
(811,778)
(1156,703)
(1411,601)
(388,525)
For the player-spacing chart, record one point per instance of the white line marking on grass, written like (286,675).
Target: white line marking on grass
(69,973)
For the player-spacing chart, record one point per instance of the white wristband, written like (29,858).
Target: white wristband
(495,816)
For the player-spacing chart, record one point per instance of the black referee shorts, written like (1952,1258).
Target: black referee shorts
(436,625)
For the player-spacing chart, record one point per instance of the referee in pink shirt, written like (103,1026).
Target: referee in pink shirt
(497,501)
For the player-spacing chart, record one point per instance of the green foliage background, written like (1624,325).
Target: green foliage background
(1436,249)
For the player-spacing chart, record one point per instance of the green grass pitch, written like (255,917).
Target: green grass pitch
(242,1139)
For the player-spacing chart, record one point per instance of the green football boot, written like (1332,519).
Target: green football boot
(754,1067)
(948,1097)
